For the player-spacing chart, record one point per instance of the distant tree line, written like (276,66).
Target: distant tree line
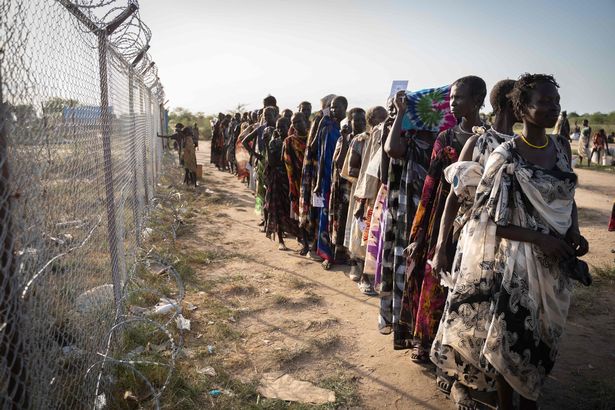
(187,118)
(595,118)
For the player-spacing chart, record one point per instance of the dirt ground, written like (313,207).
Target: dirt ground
(269,310)
(595,196)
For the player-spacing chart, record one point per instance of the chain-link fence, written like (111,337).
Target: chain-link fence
(80,108)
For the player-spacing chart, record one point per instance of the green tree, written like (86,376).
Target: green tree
(187,118)
(597,118)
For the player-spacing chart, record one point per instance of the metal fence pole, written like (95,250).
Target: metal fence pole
(144,153)
(136,205)
(105,116)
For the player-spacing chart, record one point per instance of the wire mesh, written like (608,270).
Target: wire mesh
(79,160)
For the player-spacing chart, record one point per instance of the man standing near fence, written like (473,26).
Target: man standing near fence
(178,137)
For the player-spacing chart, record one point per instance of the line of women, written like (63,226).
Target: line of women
(466,231)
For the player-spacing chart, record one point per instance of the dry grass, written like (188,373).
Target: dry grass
(298,284)
(227,301)
(604,272)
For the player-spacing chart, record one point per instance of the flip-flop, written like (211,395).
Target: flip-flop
(282,247)
(326,265)
(419,355)
(385,330)
(443,382)
(461,397)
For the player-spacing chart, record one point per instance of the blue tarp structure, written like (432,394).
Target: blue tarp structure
(84,113)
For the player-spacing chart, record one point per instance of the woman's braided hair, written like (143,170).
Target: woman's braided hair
(520,94)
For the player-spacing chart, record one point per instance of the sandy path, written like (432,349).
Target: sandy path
(594,196)
(386,378)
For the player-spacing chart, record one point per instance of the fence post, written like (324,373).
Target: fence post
(149,110)
(136,205)
(11,345)
(114,245)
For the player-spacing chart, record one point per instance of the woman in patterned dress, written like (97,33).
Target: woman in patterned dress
(507,310)
(421,115)
(423,294)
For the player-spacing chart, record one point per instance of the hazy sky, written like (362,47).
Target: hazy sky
(212,55)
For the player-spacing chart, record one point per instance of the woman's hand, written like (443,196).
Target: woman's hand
(578,242)
(400,102)
(413,249)
(553,247)
(440,260)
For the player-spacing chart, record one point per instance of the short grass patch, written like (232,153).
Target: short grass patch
(610,169)
(596,394)
(281,300)
(604,271)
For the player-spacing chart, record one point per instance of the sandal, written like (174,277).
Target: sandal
(419,355)
(461,397)
(326,265)
(366,288)
(443,382)
(304,251)
(282,247)
(385,329)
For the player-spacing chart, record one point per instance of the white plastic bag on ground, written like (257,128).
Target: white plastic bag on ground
(285,387)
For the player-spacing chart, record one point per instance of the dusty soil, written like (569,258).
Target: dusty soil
(270,310)
(595,195)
